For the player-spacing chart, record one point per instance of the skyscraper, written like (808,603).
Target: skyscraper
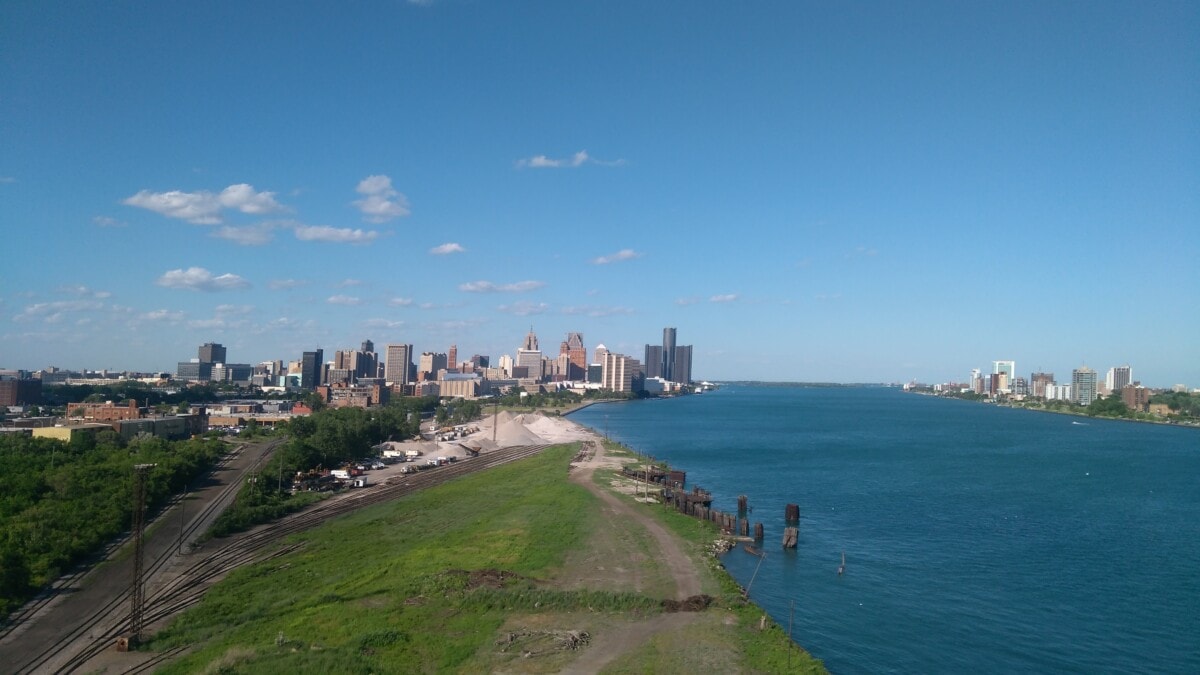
(668,355)
(576,357)
(211,352)
(310,369)
(529,356)
(398,364)
(683,364)
(452,358)
(654,361)
(1118,378)
(1083,385)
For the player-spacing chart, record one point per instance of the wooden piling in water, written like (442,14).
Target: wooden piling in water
(791,513)
(745,528)
(743,502)
(758,532)
(790,536)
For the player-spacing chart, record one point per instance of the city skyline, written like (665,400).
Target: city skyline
(811,193)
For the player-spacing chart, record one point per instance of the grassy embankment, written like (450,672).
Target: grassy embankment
(768,651)
(431,582)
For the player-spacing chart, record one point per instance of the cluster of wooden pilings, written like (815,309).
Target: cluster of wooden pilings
(698,504)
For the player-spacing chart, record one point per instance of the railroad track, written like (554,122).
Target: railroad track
(90,622)
(55,589)
(101,628)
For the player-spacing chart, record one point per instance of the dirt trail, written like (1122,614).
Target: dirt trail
(608,646)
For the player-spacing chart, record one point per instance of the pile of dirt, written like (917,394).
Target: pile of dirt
(696,603)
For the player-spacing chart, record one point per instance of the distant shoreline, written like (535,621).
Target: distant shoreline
(1068,413)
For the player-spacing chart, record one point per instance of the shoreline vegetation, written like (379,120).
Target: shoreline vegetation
(496,571)
(1105,408)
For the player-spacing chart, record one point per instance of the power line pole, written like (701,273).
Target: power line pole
(137,591)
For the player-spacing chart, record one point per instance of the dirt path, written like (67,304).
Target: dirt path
(608,646)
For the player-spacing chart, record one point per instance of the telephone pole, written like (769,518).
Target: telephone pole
(137,590)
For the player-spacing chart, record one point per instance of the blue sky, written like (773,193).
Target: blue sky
(806,190)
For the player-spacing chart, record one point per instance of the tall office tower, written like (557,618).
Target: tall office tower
(668,355)
(430,364)
(531,341)
(211,352)
(683,364)
(976,381)
(398,364)
(311,365)
(598,356)
(619,371)
(365,363)
(505,363)
(368,347)
(480,362)
(1009,368)
(1083,385)
(577,356)
(1040,382)
(654,361)
(452,358)
(342,358)
(530,357)
(1118,378)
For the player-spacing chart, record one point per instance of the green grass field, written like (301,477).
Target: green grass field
(436,581)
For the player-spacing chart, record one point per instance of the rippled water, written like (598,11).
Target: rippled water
(977,538)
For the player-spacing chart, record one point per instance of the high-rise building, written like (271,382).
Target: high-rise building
(368,347)
(1039,383)
(452,358)
(683,364)
(430,364)
(668,355)
(577,357)
(398,364)
(311,365)
(530,357)
(654,361)
(619,372)
(1118,378)
(1083,385)
(1009,370)
(211,352)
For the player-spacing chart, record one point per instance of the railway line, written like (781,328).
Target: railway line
(165,597)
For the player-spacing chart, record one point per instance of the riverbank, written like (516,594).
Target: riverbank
(1072,413)
(514,569)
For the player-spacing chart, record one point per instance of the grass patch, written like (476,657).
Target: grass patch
(396,587)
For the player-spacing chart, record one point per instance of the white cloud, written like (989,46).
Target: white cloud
(164,315)
(382,323)
(381,202)
(337,235)
(343,300)
(347,283)
(203,207)
(282,284)
(105,221)
(724,297)
(524,308)
(683,302)
(489,287)
(215,322)
(574,161)
(447,248)
(623,254)
(234,310)
(200,279)
(400,302)
(250,235)
(84,291)
(596,311)
(52,312)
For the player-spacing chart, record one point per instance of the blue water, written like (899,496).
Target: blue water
(977,538)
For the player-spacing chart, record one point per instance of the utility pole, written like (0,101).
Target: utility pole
(137,591)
